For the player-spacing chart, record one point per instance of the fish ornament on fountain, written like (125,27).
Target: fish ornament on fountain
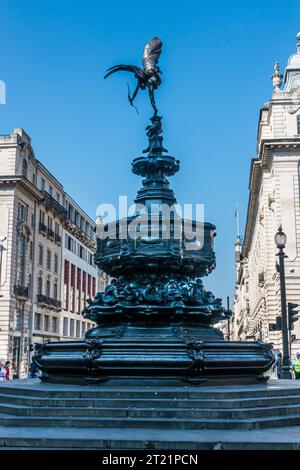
(154,321)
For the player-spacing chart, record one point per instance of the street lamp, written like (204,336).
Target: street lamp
(280,240)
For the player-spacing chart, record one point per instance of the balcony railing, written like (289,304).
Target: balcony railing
(21,291)
(50,234)
(48,301)
(54,204)
(57,239)
(42,228)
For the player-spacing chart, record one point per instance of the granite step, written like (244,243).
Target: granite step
(149,439)
(189,392)
(150,423)
(149,412)
(25,400)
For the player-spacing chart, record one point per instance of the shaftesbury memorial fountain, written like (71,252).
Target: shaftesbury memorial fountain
(155,319)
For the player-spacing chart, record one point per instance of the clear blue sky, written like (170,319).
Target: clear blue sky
(217,60)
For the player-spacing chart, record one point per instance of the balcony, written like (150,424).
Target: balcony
(53,204)
(50,234)
(42,228)
(49,302)
(21,292)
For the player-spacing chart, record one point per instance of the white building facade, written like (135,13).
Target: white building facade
(274,199)
(34,223)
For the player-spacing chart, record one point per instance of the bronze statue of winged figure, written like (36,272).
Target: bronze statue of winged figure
(149,76)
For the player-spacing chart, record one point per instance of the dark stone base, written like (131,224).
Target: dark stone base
(154,354)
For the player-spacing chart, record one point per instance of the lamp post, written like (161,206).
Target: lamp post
(280,240)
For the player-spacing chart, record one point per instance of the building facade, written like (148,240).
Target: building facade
(274,199)
(42,231)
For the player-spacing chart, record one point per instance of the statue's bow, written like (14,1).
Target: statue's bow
(149,75)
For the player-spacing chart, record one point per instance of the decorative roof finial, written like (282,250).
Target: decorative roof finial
(277,78)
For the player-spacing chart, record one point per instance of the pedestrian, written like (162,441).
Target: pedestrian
(279,365)
(296,366)
(6,366)
(33,370)
(2,371)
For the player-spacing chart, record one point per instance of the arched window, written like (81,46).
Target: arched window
(24,168)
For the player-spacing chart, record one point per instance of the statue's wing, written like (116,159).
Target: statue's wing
(125,68)
(151,53)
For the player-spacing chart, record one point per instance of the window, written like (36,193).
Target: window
(77,329)
(49,223)
(42,184)
(41,255)
(55,263)
(18,323)
(94,287)
(54,324)
(31,251)
(22,212)
(65,326)
(48,288)
(71,327)
(40,285)
(58,197)
(21,251)
(89,287)
(71,212)
(78,290)
(42,217)
(71,245)
(46,322)
(298,124)
(66,284)
(50,190)
(72,289)
(83,328)
(83,292)
(33,178)
(37,321)
(48,259)
(29,283)
(55,290)
(24,168)
(76,219)
(32,220)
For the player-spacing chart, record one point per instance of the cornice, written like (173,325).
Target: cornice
(23,183)
(258,164)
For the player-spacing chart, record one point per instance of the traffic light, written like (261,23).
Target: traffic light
(276,326)
(292,314)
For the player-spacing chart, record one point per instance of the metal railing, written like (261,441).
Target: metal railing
(21,291)
(48,301)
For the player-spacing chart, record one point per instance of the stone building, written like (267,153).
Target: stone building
(274,199)
(41,230)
